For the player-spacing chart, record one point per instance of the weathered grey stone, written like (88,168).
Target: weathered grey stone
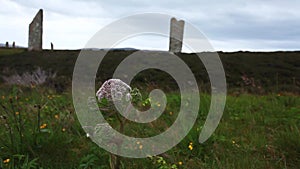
(13,44)
(36,32)
(52,47)
(176,35)
(7,45)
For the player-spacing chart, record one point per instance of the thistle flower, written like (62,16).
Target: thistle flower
(114,89)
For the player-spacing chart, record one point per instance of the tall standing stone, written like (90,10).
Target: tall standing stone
(36,32)
(176,35)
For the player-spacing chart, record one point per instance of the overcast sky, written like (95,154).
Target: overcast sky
(256,25)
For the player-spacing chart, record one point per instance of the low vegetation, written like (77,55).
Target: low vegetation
(260,127)
(252,72)
(42,131)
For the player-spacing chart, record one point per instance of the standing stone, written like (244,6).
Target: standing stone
(13,44)
(176,35)
(52,47)
(36,32)
(6,45)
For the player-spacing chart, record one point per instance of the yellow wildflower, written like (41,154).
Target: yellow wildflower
(56,116)
(138,142)
(171,113)
(6,161)
(141,146)
(158,104)
(233,142)
(63,129)
(180,162)
(17,113)
(43,126)
(190,147)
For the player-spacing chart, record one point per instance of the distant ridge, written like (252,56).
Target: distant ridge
(2,45)
(115,49)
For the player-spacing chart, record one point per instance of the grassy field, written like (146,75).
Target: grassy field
(260,127)
(256,131)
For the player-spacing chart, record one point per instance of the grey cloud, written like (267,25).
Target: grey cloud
(268,23)
(67,7)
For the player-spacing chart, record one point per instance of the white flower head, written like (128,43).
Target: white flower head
(114,89)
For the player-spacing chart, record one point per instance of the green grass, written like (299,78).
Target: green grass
(11,51)
(256,131)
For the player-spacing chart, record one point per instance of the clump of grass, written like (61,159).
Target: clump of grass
(36,127)
(288,144)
